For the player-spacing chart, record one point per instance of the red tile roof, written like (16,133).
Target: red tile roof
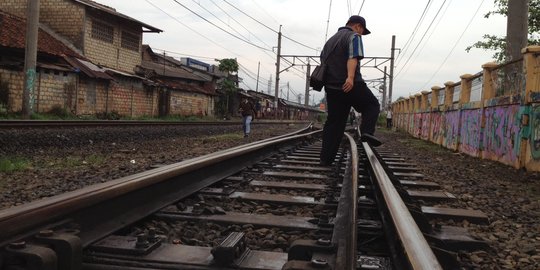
(12,35)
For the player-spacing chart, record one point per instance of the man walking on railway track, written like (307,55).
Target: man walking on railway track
(247,109)
(345,88)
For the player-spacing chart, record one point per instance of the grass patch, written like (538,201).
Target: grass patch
(77,161)
(13,164)
(223,137)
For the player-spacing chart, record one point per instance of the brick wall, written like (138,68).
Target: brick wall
(130,98)
(112,55)
(92,96)
(14,81)
(52,88)
(55,14)
(185,103)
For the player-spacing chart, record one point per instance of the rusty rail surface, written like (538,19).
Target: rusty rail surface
(103,208)
(415,247)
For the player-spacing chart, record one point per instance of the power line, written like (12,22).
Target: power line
(413,34)
(455,44)
(185,25)
(421,39)
(211,13)
(297,42)
(232,18)
(328,22)
(220,28)
(361,7)
(429,37)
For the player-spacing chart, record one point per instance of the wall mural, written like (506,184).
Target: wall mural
(426,118)
(451,129)
(535,132)
(417,128)
(502,140)
(471,132)
(436,131)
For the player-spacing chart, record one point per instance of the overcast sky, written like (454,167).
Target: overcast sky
(305,22)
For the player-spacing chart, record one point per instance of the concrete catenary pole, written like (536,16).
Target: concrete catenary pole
(30,57)
(258,70)
(391,79)
(277,72)
(516,29)
(308,75)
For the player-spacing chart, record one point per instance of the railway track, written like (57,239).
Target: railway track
(100,123)
(263,205)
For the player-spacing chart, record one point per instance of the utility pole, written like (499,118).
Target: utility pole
(277,70)
(30,57)
(258,70)
(288,90)
(270,85)
(308,75)
(384,90)
(391,79)
(517,28)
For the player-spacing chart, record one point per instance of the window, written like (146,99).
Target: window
(102,31)
(130,41)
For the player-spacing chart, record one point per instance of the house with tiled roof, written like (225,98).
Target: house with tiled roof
(54,78)
(182,90)
(108,47)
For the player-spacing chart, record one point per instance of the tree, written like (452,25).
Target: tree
(229,84)
(498,44)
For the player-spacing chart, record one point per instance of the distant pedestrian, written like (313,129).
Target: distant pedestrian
(345,88)
(247,109)
(389,119)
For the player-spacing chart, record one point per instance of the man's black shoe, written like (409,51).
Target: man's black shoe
(325,163)
(371,140)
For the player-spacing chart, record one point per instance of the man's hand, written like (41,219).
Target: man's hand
(348,85)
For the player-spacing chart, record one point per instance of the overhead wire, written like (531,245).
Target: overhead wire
(421,39)
(188,27)
(220,28)
(211,13)
(455,44)
(439,19)
(328,22)
(363,1)
(266,26)
(413,34)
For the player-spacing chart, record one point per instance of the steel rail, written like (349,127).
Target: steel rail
(103,208)
(344,234)
(94,123)
(418,252)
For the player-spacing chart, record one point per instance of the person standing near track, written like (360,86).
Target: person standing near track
(345,88)
(247,109)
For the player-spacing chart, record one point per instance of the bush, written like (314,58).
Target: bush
(4,97)
(108,116)
(59,111)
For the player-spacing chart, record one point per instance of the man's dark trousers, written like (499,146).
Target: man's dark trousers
(339,104)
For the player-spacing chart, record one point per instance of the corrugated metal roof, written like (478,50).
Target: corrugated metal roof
(173,72)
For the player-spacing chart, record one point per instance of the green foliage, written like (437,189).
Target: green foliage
(498,44)
(228,65)
(13,164)
(114,115)
(59,111)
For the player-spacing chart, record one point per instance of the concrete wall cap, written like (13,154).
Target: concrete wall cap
(531,49)
(449,83)
(466,76)
(425,92)
(418,95)
(435,88)
(490,65)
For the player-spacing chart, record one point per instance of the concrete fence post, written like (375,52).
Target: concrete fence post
(489,82)
(435,94)
(424,101)
(532,74)
(448,95)
(466,86)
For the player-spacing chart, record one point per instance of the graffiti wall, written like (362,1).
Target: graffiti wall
(471,132)
(417,126)
(502,139)
(535,132)
(436,131)
(451,129)
(424,132)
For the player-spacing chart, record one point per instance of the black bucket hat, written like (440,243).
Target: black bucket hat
(360,20)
